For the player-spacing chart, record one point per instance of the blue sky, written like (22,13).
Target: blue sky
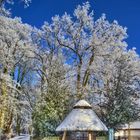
(126,12)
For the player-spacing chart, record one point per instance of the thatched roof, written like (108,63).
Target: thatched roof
(82,118)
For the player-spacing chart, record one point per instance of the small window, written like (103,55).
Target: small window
(77,136)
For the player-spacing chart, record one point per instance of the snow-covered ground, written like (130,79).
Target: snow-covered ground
(21,137)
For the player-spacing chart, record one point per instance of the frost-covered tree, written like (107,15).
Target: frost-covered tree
(116,88)
(6,12)
(53,85)
(15,54)
(82,39)
(53,90)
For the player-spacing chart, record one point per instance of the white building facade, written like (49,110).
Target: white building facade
(131,132)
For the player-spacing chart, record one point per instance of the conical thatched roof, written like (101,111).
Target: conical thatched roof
(82,118)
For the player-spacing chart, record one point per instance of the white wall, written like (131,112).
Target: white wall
(135,134)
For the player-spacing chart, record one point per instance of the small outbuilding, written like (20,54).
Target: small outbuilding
(83,121)
(129,131)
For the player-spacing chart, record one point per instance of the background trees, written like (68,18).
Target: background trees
(44,71)
(104,71)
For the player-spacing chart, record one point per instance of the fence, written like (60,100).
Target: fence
(51,138)
(58,138)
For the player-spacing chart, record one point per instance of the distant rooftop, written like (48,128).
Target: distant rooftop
(133,125)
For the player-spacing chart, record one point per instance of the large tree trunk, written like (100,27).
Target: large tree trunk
(18,125)
(79,87)
(87,72)
(7,128)
(3,96)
